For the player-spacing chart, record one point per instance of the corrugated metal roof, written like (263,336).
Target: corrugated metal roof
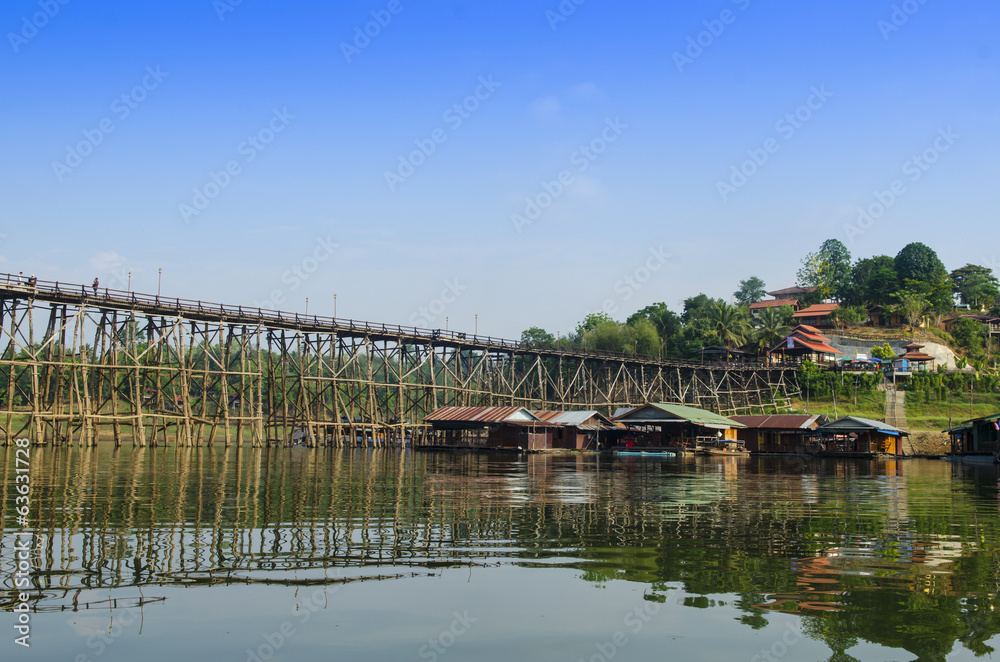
(773,303)
(778,421)
(792,290)
(481,414)
(575,418)
(857,424)
(817,310)
(679,413)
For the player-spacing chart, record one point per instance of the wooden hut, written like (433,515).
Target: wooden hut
(854,436)
(806,342)
(913,360)
(574,430)
(779,433)
(488,427)
(977,437)
(676,427)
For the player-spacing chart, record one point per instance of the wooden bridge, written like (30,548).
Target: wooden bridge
(79,363)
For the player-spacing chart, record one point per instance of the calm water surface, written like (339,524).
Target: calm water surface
(301,554)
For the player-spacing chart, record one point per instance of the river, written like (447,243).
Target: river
(305,554)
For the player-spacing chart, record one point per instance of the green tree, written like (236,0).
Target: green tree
(976,286)
(883,352)
(591,322)
(641,338)
(730,323)
(970,336)
(537,337)
(698,307)
(913,307)
(751,291)
(918,262)
(849,316)
(828,270)
(874,282)
(667,323)
(772,326)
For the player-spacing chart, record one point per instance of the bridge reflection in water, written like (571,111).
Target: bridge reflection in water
(900,554)
(77,363)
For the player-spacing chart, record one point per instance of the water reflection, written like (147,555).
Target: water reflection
(902,554)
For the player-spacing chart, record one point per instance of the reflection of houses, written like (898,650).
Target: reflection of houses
(806,342)
(913,360)
(978,436)
(518,428)
(676,426)
(818,315)
(853,435)
(779,433)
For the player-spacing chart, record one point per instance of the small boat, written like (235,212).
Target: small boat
(722,447)
(647,453)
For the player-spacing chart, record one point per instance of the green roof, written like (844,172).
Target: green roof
(691,414)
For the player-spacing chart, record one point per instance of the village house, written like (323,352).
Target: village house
(803,343)
(977,436)
(788,296)
(779,433)
(675,427)
(853,436)
(819,315)
(521,429)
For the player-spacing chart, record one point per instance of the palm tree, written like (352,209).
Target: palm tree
(730,323)
(771,328)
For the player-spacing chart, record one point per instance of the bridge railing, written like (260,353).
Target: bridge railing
(157,303)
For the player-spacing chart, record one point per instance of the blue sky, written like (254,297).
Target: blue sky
(617,129)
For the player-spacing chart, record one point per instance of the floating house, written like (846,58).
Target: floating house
(977,437)
(779,433)
(520,429)
(861,437)
(675,427)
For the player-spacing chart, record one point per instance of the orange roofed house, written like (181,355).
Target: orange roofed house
(806,343)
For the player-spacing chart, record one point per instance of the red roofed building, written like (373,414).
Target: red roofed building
(817,315)
(806,342)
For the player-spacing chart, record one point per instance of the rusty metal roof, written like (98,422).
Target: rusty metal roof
(780,421)
(481,414)
(774,303)
(817,310)
(576,419)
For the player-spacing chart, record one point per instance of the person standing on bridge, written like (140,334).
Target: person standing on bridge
(95,284)
(19,274)
(32,281)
